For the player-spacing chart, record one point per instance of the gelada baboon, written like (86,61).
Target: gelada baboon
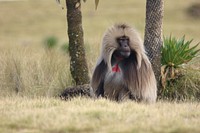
(123,70)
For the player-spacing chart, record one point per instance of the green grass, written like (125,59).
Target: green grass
(49,115)
(31,71)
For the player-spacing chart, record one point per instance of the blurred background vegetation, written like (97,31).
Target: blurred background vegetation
(28,68)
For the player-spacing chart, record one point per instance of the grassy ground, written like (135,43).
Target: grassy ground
(28,69)
(31,71)
(49,115)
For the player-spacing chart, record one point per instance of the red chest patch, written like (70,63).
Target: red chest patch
(116,68)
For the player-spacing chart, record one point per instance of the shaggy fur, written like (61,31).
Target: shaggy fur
(136,79)
(71,92)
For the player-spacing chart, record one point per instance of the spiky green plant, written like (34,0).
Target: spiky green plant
(175,54)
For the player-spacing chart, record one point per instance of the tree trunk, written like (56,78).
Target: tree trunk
(78,64)
(153,35)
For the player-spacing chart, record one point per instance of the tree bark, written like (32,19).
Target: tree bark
(78,64)
(153,35)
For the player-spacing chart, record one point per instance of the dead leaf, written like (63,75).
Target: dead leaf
(58,1)
(96,4)
(164,72)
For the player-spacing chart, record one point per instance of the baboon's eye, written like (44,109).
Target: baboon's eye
(123,41)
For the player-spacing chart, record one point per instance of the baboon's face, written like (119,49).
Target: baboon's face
(123,50)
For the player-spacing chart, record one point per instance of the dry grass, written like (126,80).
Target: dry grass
(48,115)
(26,67)
(29,70)
(29,73)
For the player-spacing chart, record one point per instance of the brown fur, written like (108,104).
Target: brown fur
(137,80)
